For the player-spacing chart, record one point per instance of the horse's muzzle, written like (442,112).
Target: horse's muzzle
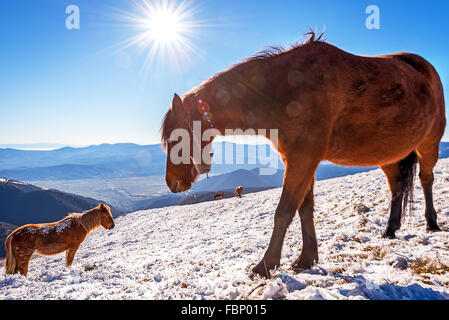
(178,187)
(111,227)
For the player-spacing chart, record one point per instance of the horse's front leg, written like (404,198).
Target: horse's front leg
(70,254)
(309,253)
(297,182)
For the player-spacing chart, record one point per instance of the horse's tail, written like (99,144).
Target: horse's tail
(11,262)
(408,171)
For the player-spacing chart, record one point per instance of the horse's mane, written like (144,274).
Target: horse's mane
(90,219)
(166,128)
(168,123)
(273,51)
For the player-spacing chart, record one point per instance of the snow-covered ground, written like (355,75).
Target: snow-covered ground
(206,251)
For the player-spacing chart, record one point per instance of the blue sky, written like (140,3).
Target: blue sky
(75,87)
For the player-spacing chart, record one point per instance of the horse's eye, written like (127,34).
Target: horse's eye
(211,155)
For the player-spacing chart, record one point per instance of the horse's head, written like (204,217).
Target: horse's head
(107,221)
(184,164)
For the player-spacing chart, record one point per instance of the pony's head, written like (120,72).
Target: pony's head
(180,175)
(106,221)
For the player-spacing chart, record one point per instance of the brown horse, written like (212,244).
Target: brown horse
(239,192)
(52,238)
(219,196)
(327,104)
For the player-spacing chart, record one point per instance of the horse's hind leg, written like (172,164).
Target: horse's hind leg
(401,178)
(309,253)
(23,259)
(394,177)
(428,157)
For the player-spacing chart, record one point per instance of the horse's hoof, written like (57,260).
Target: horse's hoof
(262,269)
(434,228)
(254,275)
(299,269)
(302,264)
(389,235)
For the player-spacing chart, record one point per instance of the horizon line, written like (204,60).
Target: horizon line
(58,146)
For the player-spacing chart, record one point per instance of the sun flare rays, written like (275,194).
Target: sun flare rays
(164,30)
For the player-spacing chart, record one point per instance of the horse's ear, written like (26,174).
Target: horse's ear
(177,102)
(102,207)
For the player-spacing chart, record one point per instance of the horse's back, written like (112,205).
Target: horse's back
(48,238)
(24,231)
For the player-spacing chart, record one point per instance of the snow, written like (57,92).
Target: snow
(20,185)
(206,251)
(58,228)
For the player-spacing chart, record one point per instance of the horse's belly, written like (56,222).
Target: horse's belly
(375,140)
(51,248)
(372,157)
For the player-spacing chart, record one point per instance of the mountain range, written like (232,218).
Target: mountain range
(108,161)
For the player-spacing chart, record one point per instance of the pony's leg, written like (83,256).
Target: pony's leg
(393,173)
(309,253)
(23,260)
(70,254)
(297,182)
(428,157)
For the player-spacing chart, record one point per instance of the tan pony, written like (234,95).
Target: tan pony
(326,104)
(52,238)
(239,192)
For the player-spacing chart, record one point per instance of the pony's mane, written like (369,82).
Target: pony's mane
(168,123)
(90,219)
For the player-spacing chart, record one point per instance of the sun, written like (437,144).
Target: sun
(163,29)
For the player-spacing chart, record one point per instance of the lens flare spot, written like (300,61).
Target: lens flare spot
(203,107)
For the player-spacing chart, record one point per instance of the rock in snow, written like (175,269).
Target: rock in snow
(206,251)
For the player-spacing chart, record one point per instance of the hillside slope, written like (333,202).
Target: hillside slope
(22,203)
(5,230)
(205,251)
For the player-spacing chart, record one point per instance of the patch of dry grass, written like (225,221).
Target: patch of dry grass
(377,252)
(429,266)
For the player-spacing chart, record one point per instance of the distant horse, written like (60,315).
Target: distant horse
(326,104)
(219,196)
(239,192)
(52,238)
